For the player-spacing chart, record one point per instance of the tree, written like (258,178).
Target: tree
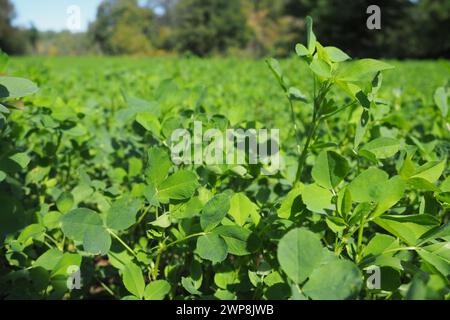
(207,26)
(11,39)
(63,43)
(122,27)
(269,27)
(343,23)
(430,21)
(32,35)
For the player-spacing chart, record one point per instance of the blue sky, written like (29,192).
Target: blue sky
(52,14)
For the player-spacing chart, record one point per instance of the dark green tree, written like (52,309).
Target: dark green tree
(207,26)
(343,23)
(11,39)
(32,35)
(429,24)
(122,27)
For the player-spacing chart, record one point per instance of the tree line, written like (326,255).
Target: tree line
(409,28)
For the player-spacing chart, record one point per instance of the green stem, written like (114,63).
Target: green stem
(339,110)
(144,213)
(185,238)
(296,130)
(122,242)
(69,167)
(63,241)
(358,165)
(52,240)
(157,262)
(347,234)
(316,120)
(165,247)
(360,239)
(304,153)
(327,127)
(107,289)
(48,245)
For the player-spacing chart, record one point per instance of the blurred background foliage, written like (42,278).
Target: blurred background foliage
(251,28)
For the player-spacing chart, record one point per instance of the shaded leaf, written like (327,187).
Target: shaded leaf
(336,54)
(214,211)
(238,239)
(122,213)
(241,208)
(157,290)
(330,169)
(409,228)
(133,280)
(316,198)
(357,70)
(383,147)
(441,100)
(179,186)
(158,165)
(291,204)
(337,280)
(212,247)
(299,253)
(11,87)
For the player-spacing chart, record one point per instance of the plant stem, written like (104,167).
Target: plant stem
(304,153)
(48,245)
(163,247)
(107,289)
(360,238)
(144,213)
(346,235)
(155,272)
(122,242)
(69,161)
(294,122)
(316,120)
(185,238)
(63,241)
(52,240)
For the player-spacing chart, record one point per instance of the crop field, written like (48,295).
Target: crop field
(93,204)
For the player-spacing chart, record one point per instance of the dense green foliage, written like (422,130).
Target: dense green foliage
(86,179)
(207,26)
(11,40)
(409,29)
(122,27)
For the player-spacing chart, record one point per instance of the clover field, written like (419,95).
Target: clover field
(87,186)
